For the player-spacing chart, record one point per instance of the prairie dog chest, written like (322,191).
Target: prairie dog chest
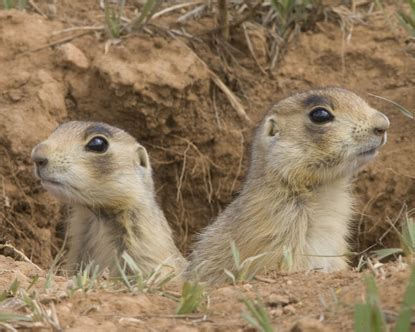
(328,226)
(98,238)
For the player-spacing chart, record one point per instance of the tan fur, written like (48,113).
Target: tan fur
(111,197)
(296,198)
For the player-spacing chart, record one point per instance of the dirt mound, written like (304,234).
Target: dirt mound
(324,302)
(159,89)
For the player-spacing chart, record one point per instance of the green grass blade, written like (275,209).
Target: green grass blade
(383,253)
(404,319)
(14,287)
(230,275)
(362,314)
(403,110)
(257,316)
(12,317)
(130,262)
(252,321)
(408,233)
(8,4)
(235,254)
(377,321)
(33,282)
(124,277)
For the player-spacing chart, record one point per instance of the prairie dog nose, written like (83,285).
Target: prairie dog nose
(39,156)
(381,124)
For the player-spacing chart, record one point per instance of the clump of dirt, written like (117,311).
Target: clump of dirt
(159,89)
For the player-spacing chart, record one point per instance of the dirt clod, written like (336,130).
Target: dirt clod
(278,300)
(310,325)
(69,54)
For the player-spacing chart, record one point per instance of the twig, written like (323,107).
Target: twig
(193,13)
(21,254)
(37,9)
(236,104)
(266,280)
(239,165)
(251,48)
(58,42)
(223,18)
(175,7)
(88,28)
(179,185)
(215,108)
(5,197)
(191,316)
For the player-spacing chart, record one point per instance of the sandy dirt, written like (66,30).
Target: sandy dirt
(160,90)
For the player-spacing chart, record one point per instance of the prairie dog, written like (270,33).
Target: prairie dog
(295,201)
(105,176)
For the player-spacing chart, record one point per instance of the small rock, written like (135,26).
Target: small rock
(309,325)
(248,287)
(293,299)
(69,54)
(289,309)
(15,95)
(277,312)
(184,328)
(125,321)
(275,300)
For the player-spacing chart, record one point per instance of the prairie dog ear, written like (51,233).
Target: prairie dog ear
(270,126)
(142,157)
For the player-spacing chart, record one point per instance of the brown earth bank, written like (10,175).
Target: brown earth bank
(311,301)
(159,87)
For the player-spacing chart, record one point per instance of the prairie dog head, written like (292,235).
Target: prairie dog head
(320,135)
(93,164)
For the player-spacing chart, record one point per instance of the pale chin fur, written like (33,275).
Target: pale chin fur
(360,160)
(61,192)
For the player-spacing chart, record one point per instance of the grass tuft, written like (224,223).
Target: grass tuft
(404,319)
(12,4)
(407,240)
(192,296)
(290,13)
(242,269)
(257,315)
(113,18)
(86,278)
(133,278)
(368,316)
(407,20)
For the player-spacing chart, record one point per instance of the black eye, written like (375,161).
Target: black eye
(320,115)
(97,144)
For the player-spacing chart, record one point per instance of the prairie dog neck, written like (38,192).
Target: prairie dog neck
(102,235)
(305,223)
